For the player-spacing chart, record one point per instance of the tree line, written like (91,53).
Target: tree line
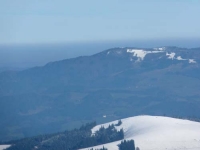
(70,140)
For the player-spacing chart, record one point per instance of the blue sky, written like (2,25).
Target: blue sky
(65,21)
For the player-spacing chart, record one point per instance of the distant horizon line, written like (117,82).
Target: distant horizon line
(104,41)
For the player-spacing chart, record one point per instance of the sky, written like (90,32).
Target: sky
(71,21)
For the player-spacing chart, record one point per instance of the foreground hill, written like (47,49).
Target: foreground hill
(157,133)
(113,84)
(3,147)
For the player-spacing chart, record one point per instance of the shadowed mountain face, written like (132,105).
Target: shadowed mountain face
(115,83)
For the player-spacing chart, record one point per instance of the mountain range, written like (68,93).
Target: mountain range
(112,84)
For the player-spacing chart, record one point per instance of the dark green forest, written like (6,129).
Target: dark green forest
(70,140)
(124,145)
(99,149)
(127,145)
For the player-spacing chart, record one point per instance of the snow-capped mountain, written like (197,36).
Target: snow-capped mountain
(115,83)
(157,133)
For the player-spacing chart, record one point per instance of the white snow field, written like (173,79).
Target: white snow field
(157,133)
(2,147)
(140,54)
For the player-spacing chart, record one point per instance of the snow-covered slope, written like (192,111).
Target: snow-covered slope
(2,147)
(158,133)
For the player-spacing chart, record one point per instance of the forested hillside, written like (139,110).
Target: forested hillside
(69,140)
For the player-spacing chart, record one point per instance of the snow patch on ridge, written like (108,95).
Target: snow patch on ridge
(171,55)
(180,58)
(192,61)
(140,53)
(189,60)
